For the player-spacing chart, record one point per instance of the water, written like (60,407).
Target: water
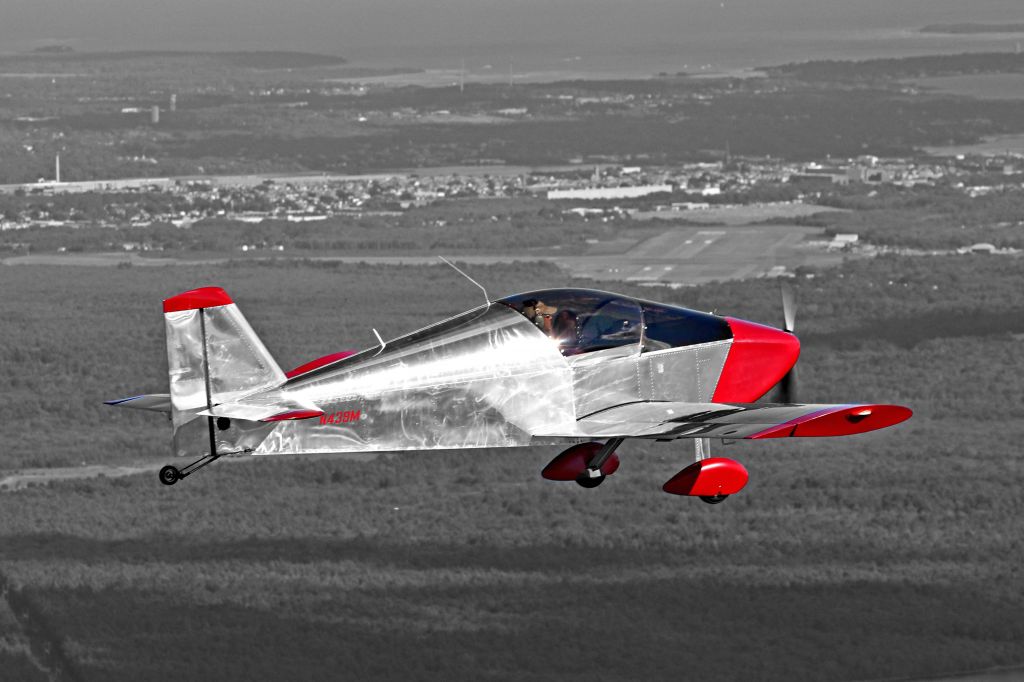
(606,37)
(728,51)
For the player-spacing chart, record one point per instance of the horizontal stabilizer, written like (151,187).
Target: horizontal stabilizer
(156,402)
(255,411)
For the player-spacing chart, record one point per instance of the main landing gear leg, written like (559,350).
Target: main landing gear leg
(592,475)
(702,451)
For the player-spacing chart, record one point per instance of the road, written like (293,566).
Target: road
(308,178)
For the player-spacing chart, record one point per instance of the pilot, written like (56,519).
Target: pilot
(539,313)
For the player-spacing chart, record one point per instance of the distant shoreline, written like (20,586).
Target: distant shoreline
(973,28)
(280,59)
(724,51)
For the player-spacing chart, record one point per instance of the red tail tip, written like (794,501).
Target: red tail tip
(204,297)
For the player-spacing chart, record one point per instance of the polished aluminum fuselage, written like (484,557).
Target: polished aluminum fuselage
(486,378)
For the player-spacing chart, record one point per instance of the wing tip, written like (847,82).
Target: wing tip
(840,420)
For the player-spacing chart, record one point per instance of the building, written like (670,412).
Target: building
(598,193)
(820,179)
(843,241)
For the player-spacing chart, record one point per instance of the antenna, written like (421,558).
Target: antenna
(382,342)
(456,269)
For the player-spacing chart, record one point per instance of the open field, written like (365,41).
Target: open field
(885,555)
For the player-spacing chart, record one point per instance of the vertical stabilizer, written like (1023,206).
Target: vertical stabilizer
(213,355)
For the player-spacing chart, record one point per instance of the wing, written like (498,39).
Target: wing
(670,420)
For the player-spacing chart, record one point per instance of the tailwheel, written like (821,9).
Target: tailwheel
(169,475)
(586,481)
(714,499)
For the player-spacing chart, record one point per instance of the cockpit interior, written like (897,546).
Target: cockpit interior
(584,320)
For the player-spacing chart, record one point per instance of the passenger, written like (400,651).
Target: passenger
(564,328)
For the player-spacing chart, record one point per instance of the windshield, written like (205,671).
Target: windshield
(672,327)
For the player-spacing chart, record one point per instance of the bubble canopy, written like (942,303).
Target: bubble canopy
(586,320)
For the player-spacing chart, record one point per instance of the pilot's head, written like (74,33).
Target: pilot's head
(530,308)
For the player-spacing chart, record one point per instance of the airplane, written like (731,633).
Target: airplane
(569,367)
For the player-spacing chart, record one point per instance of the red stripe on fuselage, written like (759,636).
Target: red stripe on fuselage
(319,362)
(293,415)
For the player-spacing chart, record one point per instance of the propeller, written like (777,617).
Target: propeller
(787,385)
(788,307)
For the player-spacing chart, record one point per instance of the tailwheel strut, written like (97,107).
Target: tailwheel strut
(170,475)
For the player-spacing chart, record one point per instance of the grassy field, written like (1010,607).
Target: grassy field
(890,554)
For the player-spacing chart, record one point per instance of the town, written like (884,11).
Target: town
(678,191)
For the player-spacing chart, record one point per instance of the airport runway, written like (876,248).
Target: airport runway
(678,256)
(691,255)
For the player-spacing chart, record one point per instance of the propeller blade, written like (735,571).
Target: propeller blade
(787,387)
(788,307)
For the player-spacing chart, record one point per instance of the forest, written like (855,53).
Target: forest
(230,117)
(941,217)
(465,226)
(797,123)
(894,68)
(884,555)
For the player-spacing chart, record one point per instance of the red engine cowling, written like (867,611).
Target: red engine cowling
(572,462)
(712,477)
